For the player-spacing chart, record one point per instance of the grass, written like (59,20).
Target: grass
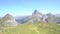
(33,28)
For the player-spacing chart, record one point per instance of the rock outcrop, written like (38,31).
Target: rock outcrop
(8,20)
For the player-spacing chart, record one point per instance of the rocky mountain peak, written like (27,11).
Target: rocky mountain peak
(8,16)
(9,20)
(37,13)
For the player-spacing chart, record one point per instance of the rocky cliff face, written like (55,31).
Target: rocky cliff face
(44,18)
(8,20)
(51,18)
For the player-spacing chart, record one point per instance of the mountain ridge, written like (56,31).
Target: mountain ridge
(38,17)
(35,17)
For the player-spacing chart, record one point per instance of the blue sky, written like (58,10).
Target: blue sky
(26,7)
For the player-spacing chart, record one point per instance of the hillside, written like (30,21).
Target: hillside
(33,28)
(8,20)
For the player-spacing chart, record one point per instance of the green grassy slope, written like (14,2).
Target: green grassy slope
(33,28)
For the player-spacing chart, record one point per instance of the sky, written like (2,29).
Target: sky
(27,7)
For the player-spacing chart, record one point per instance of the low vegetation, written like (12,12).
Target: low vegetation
(32,28)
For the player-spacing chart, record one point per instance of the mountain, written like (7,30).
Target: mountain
(51,18)
(8,20)
(38,17)
(35,17)
(37,13)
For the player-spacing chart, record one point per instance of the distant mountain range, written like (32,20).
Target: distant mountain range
(37,23)
(36,17)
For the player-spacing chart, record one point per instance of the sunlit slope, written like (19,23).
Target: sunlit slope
(33,28)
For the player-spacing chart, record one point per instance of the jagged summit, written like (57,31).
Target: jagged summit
(36,12)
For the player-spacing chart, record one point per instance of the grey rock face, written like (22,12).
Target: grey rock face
(44,18)
(51,18)
(8,20)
